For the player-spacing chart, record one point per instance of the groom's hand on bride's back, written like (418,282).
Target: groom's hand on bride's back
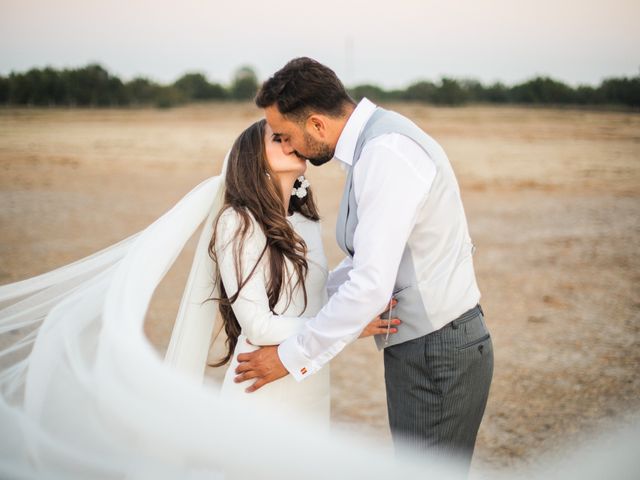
(380,326)
(263,364)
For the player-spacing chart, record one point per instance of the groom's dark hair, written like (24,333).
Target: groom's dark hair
(302,86)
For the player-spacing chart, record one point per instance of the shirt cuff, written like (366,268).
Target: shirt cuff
(296,363)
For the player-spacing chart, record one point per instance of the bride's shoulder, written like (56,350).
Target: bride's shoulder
(232,215)
(231,221)
(228,215)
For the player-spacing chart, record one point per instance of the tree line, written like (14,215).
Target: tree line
(537,91)
(94,86)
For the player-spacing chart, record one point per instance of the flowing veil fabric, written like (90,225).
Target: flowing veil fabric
(198,317)
(73,352)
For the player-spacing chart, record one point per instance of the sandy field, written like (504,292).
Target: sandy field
(553,202)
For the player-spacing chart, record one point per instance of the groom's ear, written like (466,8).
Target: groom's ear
(317,124)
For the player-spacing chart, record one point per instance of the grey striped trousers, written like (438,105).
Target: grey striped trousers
(437,387)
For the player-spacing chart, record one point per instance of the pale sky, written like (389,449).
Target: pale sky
(390,43)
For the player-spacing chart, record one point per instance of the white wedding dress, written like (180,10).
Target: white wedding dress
(260,326)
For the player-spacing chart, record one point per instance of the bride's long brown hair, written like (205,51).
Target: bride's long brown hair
(251,189)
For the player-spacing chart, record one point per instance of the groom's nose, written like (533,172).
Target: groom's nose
(287,148)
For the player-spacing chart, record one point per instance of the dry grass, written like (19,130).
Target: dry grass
(552,198)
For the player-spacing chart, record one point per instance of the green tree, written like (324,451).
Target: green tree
(422,91)
(450,92)
(42,87)
(496,93)
(543,90)
(170,96)
(94,86)
(587,95)
(142,91)
(625,91)
(195,86)
(474,90)
(372,92)
(245,84)
(5,85)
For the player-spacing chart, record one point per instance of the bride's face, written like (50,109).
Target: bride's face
(280,162)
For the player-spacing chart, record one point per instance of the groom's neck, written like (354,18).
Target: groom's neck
(341,121)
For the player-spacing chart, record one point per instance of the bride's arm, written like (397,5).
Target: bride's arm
(251,308)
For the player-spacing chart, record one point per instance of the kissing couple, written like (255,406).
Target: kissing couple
(408,254)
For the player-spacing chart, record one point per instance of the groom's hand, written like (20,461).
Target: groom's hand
(263,364)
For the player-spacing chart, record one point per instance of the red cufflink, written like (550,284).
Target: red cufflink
(303,370)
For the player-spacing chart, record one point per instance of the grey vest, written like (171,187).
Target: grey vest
(407,289)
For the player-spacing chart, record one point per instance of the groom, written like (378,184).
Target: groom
(403,228)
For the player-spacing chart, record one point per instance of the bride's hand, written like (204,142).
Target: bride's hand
(378,326)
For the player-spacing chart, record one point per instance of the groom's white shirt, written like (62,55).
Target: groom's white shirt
(396,145)
(389,195)
(391,181)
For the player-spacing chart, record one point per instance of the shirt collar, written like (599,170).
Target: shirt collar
(346,145)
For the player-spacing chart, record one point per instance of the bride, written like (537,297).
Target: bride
(269,264)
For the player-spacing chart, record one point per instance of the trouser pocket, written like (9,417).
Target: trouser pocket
(472,343)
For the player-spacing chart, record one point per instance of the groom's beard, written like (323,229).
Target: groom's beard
(321,152)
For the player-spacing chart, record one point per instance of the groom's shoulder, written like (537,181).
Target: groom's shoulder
(391,124)
(399,119)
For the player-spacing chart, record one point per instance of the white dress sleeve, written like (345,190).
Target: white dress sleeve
(258,323)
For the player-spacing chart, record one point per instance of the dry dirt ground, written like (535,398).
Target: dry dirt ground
(553,202)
